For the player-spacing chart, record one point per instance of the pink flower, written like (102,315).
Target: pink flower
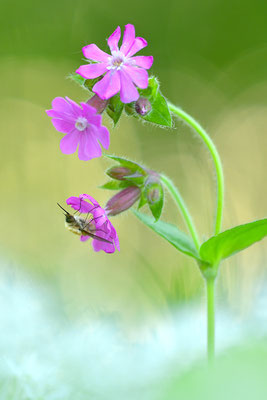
(82,126)
(122,71)
(99,224)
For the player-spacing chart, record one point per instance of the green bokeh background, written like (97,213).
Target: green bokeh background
(210,57)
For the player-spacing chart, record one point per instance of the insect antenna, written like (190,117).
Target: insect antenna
(65,211)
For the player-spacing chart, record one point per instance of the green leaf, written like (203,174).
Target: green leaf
(232,241)
(115,185)
(142,200)
(77,78)
(90,83)
(155,198)
(169,232)
(128,164)
(160,113)
(115,108)
(84,83)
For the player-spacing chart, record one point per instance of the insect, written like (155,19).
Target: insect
(81,226)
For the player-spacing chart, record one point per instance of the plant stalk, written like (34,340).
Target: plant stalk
(210,284)
(182,206)
(215,156)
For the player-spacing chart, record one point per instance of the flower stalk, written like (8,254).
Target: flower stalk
(209,280)
(182,207)
(215,156)
(210,285)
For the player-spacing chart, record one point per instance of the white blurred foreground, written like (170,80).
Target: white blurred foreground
(44,355)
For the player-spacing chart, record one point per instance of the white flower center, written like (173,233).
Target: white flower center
(116,61)
(81,124)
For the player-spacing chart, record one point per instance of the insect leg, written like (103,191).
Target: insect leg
(81,199)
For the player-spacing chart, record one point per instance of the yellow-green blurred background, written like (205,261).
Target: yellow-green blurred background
(210,57)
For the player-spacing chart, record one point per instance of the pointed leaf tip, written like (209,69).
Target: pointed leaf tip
(232,241)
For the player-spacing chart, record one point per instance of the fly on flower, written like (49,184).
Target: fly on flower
(81,226)
(91,222)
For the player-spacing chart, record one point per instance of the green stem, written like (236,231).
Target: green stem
(210,282)
(181,204)
(216,158)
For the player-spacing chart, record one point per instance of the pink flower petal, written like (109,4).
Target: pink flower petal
(69,143)
(143,61)
(92,52)
(77,203)
(138,75)
(113,40)
(106,231)
(61,105)
(100,218)
(99,214)
(138,44)
(91,115)
(54,114)
(102,135)
(108,86)
(115,237)
(82,154)
(63,126)
(88,110)
(117,242)
(91,71)
(64,108)
(89,147)
(90,198)
(128,38)
(93,148)
(83,238)
(106,247)
(128,91)
(75,107)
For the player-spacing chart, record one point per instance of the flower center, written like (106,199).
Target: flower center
(81,124)
(117,60)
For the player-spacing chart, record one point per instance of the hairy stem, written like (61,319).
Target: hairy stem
(181,205)
(210,283)
(215,156)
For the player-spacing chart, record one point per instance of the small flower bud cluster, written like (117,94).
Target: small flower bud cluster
(134,183)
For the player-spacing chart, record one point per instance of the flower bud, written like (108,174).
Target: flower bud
(142,106)
(153,194)
(123,200)
(119,172)
(99,104)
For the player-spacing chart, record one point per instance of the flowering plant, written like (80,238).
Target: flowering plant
(120,83)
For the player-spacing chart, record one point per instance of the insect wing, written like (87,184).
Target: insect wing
(95,236)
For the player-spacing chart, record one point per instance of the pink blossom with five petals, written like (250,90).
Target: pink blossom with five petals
(100,225)
(82,126)
(122,72)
